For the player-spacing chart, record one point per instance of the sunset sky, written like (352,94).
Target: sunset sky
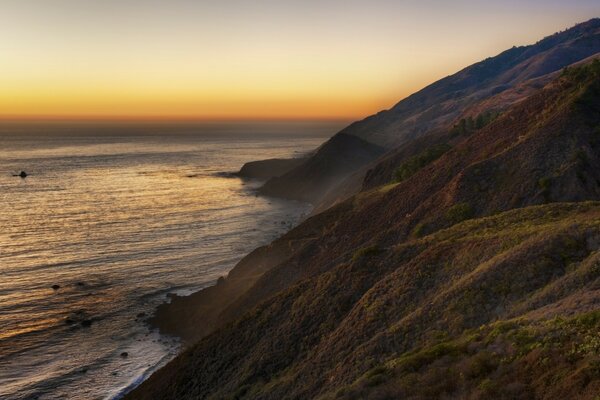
(262,59)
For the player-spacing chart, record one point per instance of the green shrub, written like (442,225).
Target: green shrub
(482,364)
(419,230)
(544,183)
(366,252)
(459,212)
(376,376)
(381,369)
(468,125)
(409,167)
(582,72)
(488,387)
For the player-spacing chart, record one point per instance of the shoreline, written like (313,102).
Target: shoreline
(169,318)
(138,380)
(192,316)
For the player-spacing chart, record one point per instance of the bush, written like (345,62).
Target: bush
(366,252)
(419,230)
(415,163)
(482,364)
(459,212)
(468,125)
(544,183)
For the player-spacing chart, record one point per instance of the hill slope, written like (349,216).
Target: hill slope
(508,78)
(461,297)
(448,283)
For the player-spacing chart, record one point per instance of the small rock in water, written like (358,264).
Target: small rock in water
(141,315)
(69,321)
(80,283)
(124,354)
(55,287)
(86,322)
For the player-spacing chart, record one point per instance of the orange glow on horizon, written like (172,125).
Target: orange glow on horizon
(171,118)
(268,60)
(227,101)
(327,109)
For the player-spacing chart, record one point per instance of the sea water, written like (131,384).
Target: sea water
(115,217)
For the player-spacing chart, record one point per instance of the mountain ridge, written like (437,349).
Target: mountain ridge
(441,103)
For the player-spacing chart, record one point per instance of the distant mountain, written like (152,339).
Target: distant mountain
(440,103)
(507,78)
(337,157)
(472,273)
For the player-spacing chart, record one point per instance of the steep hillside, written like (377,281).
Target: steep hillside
(472,119)
(394,319)
(469,277)
(440,103)
(507,78)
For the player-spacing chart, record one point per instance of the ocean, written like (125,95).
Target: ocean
(110,220)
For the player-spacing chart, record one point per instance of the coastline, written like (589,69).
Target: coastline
(209,303)
(138,380)
(220,302)
(173,317)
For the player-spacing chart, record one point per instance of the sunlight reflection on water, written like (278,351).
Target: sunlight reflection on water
(117,225)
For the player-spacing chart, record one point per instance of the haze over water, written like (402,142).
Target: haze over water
(118,221)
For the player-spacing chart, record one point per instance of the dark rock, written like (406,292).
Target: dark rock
(141,315)
(69,321)
(55,287)
(80,283)
(86,323)
(124,354)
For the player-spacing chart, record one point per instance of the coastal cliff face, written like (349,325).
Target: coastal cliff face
(467,267)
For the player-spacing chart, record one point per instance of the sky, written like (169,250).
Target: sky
(259,59)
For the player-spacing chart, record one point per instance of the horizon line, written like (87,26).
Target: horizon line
(168,119)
